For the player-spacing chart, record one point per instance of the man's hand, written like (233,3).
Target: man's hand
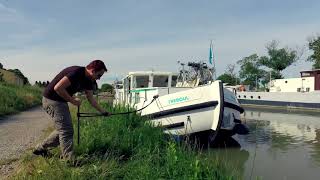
(93,102)
(76,102)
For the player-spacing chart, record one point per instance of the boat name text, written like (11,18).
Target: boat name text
(178,100)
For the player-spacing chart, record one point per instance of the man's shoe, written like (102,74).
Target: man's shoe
(42,152)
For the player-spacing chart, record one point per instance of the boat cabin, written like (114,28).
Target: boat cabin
(148,79)
(143,84)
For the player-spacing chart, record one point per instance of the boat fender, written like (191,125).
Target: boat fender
(236,120)
(241,129)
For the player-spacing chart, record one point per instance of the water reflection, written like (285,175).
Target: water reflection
(230,153)
(282,128)
(315,147)
(286,144)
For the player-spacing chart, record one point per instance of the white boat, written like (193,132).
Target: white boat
(293,93)
(182,107)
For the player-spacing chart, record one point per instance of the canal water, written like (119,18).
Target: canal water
(282,144)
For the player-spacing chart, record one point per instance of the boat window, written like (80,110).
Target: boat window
(141,81)
(119,86)
(298,89)
(174,81)
(160,81)
(305,74)
(307,89)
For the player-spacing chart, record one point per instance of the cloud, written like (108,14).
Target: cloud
(8,15)
(17,30)
(43,64)
(5,9)
(42,43)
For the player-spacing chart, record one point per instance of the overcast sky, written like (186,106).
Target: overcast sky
(41,37)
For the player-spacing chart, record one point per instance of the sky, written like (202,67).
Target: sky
(41,37)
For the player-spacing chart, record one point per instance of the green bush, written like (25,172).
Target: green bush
(17,98)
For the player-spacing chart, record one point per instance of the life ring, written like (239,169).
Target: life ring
(242,88)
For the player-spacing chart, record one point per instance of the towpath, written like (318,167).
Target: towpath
(17,134)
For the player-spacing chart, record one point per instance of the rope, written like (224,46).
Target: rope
(255,151)
(114,114)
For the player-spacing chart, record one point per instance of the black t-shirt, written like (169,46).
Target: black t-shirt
(78,79)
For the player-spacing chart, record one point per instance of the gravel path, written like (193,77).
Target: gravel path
(18,133)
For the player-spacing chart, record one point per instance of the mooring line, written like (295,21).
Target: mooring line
(255,151)
(85,114)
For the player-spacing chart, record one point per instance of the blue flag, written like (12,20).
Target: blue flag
(210,54)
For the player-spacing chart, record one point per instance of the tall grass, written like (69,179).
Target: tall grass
(125,147)
(17,98)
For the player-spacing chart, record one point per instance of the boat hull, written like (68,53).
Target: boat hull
(193,111)
(189,111)
(286,100)
(208,108)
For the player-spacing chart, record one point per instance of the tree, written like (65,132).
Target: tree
(314,45)
(230,70)
(1,77)
(250,70)
(278,59)
(229,76)
(107,88)
(1,66)
(18,73)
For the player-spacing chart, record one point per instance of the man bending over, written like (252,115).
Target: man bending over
(55,100)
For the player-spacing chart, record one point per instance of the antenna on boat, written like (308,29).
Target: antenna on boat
(183,71)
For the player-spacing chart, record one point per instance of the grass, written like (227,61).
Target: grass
(125,147)
(17,98)
(8,76)
(8,161)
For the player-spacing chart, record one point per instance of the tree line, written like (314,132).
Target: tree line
(41,83)
(258,70)
(17,72)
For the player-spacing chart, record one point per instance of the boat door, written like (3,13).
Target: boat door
(317,81)
(127,88)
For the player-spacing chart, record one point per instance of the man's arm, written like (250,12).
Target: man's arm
(93,102)
(60,88)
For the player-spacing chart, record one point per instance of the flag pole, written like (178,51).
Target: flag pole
(212,61)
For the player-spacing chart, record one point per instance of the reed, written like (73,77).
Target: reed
(125,147)
(17,98)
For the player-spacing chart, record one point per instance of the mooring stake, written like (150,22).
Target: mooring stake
(78,115)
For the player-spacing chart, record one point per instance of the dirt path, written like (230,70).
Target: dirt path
(17,134)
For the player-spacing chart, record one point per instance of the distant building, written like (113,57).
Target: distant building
(308,82)
(11,78)
(237,88)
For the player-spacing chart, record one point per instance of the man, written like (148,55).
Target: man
(55,98)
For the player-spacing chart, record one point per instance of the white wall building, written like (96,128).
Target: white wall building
(305,84)
(309,82)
